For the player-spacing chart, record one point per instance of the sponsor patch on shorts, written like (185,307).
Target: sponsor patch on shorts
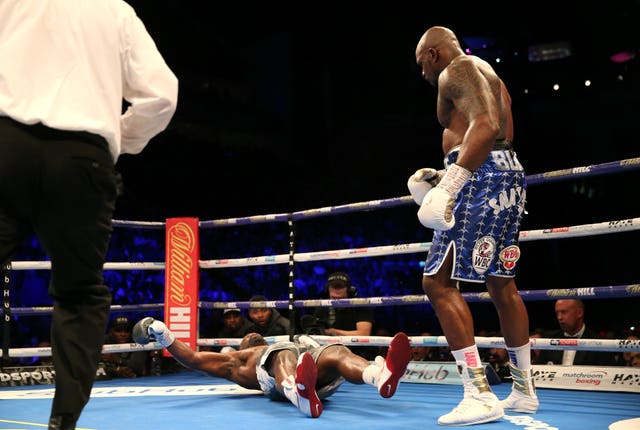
(509,256)
(483,252)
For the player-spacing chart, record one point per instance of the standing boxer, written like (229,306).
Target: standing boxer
(475,207)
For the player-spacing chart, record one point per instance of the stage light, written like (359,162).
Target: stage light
(549,51)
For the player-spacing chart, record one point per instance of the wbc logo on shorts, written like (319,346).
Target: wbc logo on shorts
(483,251)
(509,256)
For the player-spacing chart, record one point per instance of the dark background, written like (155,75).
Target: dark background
(288,105)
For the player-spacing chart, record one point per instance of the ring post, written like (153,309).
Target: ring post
(182,274)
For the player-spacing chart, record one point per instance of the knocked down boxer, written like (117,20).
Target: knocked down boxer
(304,372)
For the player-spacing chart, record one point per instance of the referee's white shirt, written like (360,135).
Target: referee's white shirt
(70,63)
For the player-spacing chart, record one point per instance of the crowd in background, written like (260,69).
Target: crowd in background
(391,275)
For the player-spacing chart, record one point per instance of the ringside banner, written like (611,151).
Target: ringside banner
(182,274)
(36,375)
(440,372)
(591,378)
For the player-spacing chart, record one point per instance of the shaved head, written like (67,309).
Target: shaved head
(437,47)
(437,37)
(251,340)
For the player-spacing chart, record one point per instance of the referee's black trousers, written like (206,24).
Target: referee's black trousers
(61,186)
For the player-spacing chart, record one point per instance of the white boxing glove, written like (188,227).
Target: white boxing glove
(422,181)
(306,340)
(436,210)
(159,332)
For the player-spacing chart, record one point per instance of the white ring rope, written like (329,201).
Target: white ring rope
(336,254)
(606,227)
(46,265)
(610,345)
(540,234)
(537,178)
(156,225)
(617,291)
(107,348)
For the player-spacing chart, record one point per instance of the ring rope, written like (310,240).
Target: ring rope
(152,225)
(608,345)
(582,230)
(46,265)
(618,291)
(538,178)
(579,172)
(46,310)
(605,345)
(552,176)
(606,227)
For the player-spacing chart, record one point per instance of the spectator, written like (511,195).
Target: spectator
(267,321)
(628,357)
(485,353)
(424,353)
(129,364)
(44,360)
(536,334)
(351,321)
(445,354)
(570,315)
(382,331)
(235,324)
(499,360)
(354,321)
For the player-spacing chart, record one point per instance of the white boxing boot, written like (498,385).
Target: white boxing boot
(479,405)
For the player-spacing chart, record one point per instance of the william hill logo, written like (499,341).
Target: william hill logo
(181,245)
(181,279)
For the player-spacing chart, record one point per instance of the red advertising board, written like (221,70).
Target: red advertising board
(182,276)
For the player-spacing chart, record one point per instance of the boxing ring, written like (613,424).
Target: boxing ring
(188,398)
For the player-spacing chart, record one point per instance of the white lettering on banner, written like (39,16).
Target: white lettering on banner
(180,390)
(24,376)
(507,199)
(611,378)
(181,263)
(586,291)
(439,374)
(179,321)
(181,279)
(432,372)
(34,375)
